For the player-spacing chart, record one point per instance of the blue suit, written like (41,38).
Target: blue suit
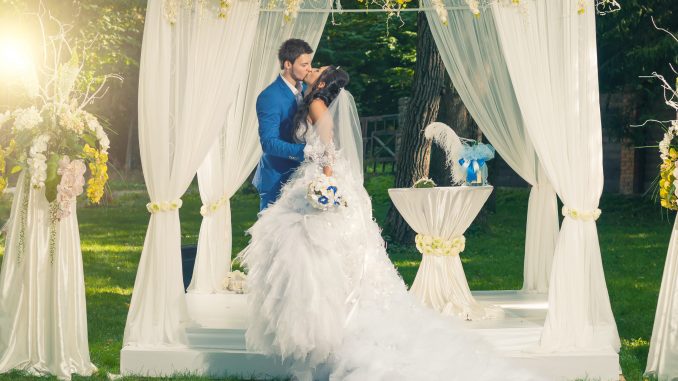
(276,106)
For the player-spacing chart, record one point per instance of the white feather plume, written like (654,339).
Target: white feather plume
(448,140)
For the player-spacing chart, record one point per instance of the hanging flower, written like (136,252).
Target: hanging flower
(441,10)
(291,9)
(99,173)
(94,126)
(224,6)
(37,166)
(171,9)
(474,7)
(71,186)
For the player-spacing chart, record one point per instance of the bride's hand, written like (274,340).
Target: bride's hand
(327,171)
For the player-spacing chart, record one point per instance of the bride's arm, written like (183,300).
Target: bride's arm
(323,122)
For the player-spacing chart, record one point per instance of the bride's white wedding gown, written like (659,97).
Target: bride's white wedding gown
(324,294)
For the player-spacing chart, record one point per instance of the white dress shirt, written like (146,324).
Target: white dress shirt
(297,94)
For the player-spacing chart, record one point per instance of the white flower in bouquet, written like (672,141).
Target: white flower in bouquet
(26,119)
(72,120)
(38,168)
(94,126)
(39,145)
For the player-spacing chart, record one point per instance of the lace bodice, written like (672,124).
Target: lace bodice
(320,144)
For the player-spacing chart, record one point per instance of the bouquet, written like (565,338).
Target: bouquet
(324,194)
(668,173)
(52,138)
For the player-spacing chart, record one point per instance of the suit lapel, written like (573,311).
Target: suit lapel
(285,89)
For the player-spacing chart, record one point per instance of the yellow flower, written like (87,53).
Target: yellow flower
(3,184)
(99,173)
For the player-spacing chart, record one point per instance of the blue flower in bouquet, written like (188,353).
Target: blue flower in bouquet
(323,200)
(332,188)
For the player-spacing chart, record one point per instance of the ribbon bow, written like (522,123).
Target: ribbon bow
(472,168)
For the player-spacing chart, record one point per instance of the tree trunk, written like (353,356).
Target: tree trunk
(413,158)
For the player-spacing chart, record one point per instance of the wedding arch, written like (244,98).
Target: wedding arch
(526,70)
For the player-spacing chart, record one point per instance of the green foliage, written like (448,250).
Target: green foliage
(633,234)
(378,53)
(630,47)
(107,34)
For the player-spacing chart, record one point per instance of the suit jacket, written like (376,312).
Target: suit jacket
(276,106)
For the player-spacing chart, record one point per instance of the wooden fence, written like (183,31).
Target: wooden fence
(380,134)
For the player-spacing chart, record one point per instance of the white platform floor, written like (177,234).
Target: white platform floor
(217,342)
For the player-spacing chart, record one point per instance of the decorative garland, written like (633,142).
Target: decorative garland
(23,216)
(208,209)
(580,215)
(164,206)
(440,247)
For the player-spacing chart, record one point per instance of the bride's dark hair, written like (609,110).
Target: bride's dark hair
(334,79)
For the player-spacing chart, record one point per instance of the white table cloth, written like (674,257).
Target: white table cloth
(43,315)
(444,212)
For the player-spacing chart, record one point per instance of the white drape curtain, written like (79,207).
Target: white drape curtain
(236,154)
(550,52)
(470,49)
(43,314)
(661,359)
(186,76)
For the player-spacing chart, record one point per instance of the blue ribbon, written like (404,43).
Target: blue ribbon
(471,174)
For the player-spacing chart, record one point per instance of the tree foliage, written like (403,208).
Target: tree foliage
(379,53)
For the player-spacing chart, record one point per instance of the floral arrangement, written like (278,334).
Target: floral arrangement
(432,245)
(668,173)
(668,148)
(424,182)
(53,140)
(236,281)
(602,6)
(324,194)
(171,8)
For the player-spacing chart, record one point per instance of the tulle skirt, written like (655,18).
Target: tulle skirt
(324,295)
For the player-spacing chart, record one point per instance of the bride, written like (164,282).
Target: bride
(323,292)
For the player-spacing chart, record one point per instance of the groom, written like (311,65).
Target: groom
(276,106)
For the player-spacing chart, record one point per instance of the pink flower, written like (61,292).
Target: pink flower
(71,185)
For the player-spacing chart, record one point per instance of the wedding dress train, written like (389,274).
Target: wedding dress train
(324,294)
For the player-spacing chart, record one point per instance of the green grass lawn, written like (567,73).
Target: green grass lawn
(633,234)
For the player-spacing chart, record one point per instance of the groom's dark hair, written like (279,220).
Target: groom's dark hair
(291,49)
